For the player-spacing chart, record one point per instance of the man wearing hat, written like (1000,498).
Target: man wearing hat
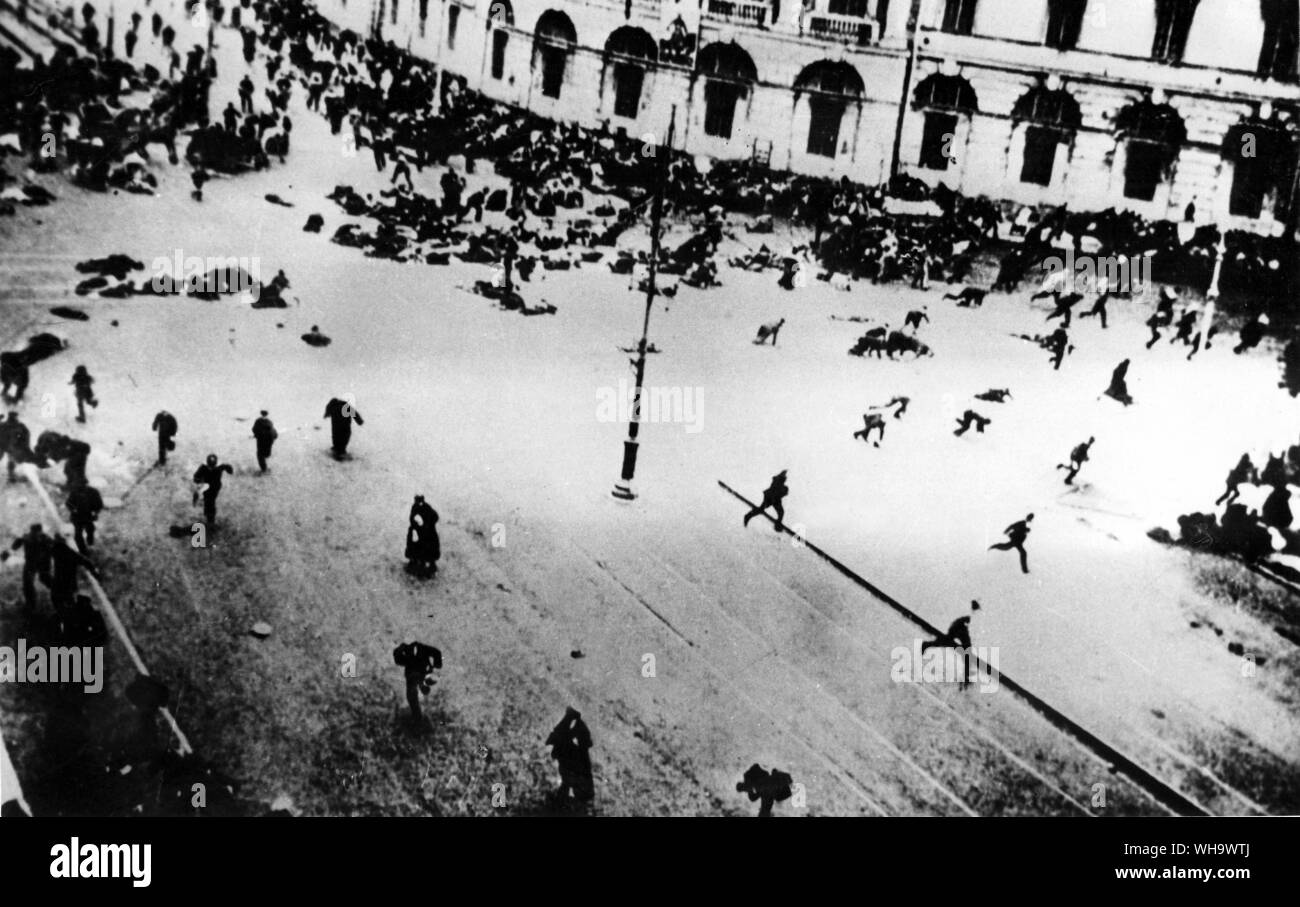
(419,661)
(208,478)
(570,744)
(422,546)
(265,434)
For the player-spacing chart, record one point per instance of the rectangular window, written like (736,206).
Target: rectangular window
(1249,183)
(936,140)
(1277,53)
(719,107)
(453,17)
(1173,22)
(1144,170)
(856,8)
(499,40)
(824,126)
(627,90)
(1040,156)
(1064,22)
(552,70)
(959,17)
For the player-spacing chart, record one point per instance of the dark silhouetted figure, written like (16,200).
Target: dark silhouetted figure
(341,413)
(1016,534)
(871,422)
(1078,457)
(901,402)
(969,297)
(1064,305)
(199,177)
(1118,389)
(208,478)
(1098,309)
(915,317)
(422,546)
(769,332)
(1276,511)
(995,395)
(84,505)
(768,788)
(82,624)
(63,583)
(1155,323)
(772,497)
(969,418)
(1244,471)
(1251,334)
(1186,324)
(84,390)
(165,424)
(1058,344)
(570,744)
(419,661)
(36,547)
(15,443)
(957,637)
(265,434)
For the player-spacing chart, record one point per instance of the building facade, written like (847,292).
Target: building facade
(1144,105)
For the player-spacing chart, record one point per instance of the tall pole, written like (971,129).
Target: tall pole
(1212,294)
(623,487)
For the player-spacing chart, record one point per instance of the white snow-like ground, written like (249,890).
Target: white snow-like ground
(763,654)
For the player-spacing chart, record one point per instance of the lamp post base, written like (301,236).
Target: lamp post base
(623,487)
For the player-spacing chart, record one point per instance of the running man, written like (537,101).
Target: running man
(1016,534)
(772,497)
(1243,472)
(1078,457)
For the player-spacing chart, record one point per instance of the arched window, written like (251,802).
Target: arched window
(831,87)
(1153,136)
(945,100)
(627,52)
(1277,55)
(499,19)
(1052,118)
(553,41)
(1263,153)
(729,72)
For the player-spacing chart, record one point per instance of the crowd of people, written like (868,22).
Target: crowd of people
(558,212)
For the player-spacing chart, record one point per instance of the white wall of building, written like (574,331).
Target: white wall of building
(1002,59)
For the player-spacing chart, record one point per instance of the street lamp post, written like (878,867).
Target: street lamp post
(623,487)
(1212,294)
